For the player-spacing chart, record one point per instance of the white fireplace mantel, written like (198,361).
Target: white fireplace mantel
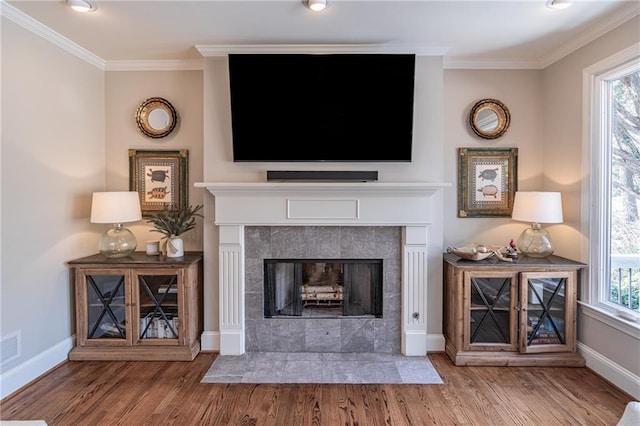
(322,203)
(409,205)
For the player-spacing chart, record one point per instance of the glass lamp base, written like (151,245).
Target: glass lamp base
(535,242)
(117,242)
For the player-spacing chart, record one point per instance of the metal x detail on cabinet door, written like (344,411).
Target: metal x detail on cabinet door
(490,306)
(106,300)
(158,309)
(546,307)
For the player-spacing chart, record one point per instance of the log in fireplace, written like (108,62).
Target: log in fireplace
(316,288)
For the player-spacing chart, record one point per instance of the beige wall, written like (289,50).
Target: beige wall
(125,91)
(563,152)
(53,158)
(520,91)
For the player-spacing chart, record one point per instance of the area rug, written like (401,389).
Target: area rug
(325,367)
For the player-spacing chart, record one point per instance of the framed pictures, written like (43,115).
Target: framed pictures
(160,177)
(487,181)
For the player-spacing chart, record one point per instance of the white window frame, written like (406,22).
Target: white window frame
(596,170)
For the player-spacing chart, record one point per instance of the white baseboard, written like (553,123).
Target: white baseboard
(210,341)
(435,343)
(14,379)
(619,376)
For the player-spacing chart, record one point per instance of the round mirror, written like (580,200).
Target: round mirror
(156,117)
(489,118)
(159,119)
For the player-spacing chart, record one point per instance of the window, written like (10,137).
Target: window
(614,191)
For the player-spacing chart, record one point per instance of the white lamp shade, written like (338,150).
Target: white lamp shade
(115,207)
(537,207)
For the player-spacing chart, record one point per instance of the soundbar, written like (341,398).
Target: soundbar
(322,175)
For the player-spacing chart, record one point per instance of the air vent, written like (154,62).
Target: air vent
(10,348)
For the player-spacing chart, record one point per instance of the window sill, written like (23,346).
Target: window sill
(611,319)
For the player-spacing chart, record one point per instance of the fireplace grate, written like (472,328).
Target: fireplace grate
(322,288)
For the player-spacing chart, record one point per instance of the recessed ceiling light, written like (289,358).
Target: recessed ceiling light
(316,5)
(558,4)
(82,5)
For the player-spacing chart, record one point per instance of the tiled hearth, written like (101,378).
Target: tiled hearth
(329,367)
(292,213)
(380,335)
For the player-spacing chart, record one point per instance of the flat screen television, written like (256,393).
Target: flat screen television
(327,108)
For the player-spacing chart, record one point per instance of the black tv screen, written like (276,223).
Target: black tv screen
(333,108)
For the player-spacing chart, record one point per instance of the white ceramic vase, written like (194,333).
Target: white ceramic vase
(175,247)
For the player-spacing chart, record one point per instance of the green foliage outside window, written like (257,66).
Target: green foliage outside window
(625,190)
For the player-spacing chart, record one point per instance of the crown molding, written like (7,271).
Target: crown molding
(597,30)
(48,34)
(207,50)
(489,64)
(157,65)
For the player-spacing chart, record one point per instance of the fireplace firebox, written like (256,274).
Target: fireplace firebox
(317,288)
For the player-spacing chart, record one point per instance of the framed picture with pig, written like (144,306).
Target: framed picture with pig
(487,181)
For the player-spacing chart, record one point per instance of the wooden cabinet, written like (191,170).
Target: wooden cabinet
(138,308)
(503,313)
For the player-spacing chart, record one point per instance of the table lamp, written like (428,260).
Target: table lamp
(116,208)
(536,207)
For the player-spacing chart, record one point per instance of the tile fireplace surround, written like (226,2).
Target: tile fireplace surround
(414,207)
(346,334)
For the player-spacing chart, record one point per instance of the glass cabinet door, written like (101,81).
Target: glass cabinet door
(491,310)
(158,297)
(106,309)
(544,321)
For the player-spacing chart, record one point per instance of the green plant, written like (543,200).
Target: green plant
(172,221)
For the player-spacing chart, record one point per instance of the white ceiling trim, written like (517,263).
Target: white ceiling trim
(597,30)
(207,50)
(490,64)
(48,34)
(160,65)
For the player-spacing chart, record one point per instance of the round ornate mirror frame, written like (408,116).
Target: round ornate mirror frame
(156,117)
(493,125)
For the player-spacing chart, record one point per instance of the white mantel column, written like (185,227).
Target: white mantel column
(231,257)
(414,291)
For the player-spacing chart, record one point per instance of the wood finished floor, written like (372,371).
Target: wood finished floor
(170,393)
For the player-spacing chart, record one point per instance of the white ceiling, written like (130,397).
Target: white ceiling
(472,33)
